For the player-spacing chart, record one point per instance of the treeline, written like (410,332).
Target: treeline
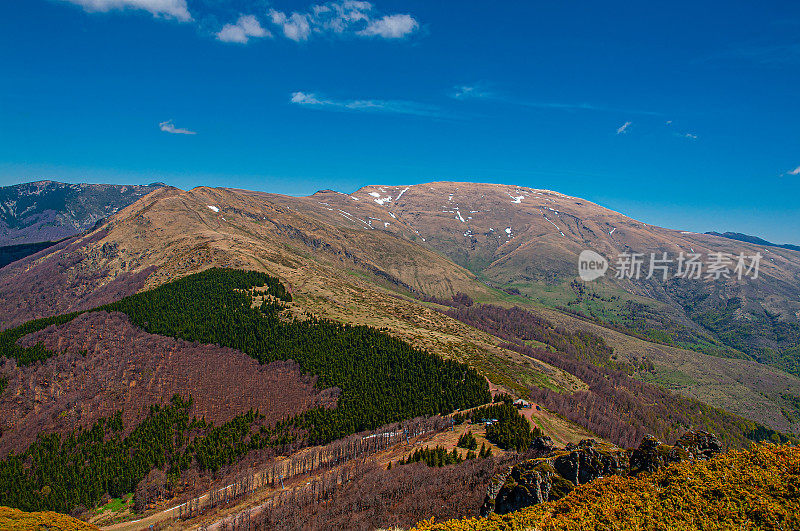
(458,300)
(28,355)
(382,379)
(517,324)
(61,473)
(438,456)
(228,443)
(380,499)
(330,457)
(615,406)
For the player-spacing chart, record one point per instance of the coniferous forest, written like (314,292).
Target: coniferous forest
(381,380)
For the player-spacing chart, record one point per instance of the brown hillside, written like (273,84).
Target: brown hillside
(109,365)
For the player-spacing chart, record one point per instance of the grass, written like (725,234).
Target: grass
(115,504)
(669,379)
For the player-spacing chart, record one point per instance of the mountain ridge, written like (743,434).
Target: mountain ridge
(346,264)
(50,210)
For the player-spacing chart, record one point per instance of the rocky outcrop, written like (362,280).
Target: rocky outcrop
(554,476)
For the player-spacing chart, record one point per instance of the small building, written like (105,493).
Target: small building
(520,403)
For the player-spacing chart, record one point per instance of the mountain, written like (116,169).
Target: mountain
(143,316)
(48,211)
(753,239)
(361,258)
(527,242)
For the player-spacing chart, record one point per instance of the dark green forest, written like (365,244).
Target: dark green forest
(381,379)
(61,473)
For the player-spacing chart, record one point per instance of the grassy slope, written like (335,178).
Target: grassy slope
(744,387)
(751,489)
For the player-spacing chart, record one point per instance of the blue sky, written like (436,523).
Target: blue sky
(292,97)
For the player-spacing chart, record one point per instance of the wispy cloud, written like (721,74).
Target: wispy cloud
(690,136)
(169,127)
(314,101)
(464,92)
(176,9)
(246,27)
(345,18)
(621,130)
(479,91)
(795,171)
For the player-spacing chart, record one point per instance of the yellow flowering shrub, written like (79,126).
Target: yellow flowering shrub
(750,489)
(14,519)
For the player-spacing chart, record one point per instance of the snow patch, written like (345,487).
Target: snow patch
(381,200)
(516,198)
(401,193)
(612,231)
(553,224)
(458,216)
(214,208)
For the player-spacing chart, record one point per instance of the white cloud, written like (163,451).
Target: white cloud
(669,122)
(391,27)
(463,92)
(302,98)
(311,100)
(161,8)
(247,26)
(690,136)
(795,171)
(169,127)
(623,128)
(296,26)
(348,17)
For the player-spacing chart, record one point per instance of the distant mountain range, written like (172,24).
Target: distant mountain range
(494,242)
(753,239)
(49,211)
(484,275)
